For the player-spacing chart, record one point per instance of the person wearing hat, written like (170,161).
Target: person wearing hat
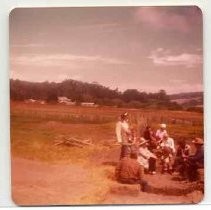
(129,171)
(123,134)
(196,161)
(161,132)
(146,158)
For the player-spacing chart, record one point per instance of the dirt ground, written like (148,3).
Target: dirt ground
(39,183)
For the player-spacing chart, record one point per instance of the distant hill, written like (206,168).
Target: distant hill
(188,99)
(186,95)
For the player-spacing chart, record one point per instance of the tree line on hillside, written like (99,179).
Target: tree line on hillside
(89,92)
(190,101)
(188,95)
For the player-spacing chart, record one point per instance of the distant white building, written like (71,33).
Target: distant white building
(71,103)
(62,99)
(42,102)
(89,104)
(30,100)
(65,100)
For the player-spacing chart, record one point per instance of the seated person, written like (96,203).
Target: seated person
(168,151)
(161,132)
(129,171)
(196,161)
(183,152)
(149,136)
(146,158)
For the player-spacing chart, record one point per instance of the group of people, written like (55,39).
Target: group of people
(140,153)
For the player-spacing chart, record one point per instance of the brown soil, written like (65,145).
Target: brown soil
(36,183)
(39,183)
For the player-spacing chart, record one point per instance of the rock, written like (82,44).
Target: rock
(125,189)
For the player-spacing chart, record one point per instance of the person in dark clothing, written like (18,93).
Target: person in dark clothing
(183,152)
(129,171)
(149,136)
(196,161)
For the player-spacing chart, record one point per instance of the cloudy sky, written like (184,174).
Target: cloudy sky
(146,48)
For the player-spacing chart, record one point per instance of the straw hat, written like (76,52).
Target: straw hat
(198,141)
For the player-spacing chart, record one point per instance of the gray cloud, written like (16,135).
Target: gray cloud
(161,57)
(63,59)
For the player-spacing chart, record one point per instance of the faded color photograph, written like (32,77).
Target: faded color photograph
(106,105)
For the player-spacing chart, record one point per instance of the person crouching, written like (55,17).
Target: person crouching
(129,171)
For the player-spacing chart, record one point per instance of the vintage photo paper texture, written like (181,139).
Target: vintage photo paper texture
(106,105)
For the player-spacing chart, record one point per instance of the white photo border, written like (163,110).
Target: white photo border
(7,5)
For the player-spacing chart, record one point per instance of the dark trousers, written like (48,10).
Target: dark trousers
(152,164)
(125,151)
(179,166)
(192,170)
(144,187)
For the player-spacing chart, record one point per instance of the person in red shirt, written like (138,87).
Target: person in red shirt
(129,171)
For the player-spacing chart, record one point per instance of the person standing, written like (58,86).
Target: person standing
(123,134)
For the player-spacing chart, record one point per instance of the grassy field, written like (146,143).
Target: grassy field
(34,128)
(44,174)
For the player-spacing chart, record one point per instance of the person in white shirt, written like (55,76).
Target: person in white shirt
(123,134)
(161,132)
(146,158)
(168,152)
(168,142)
